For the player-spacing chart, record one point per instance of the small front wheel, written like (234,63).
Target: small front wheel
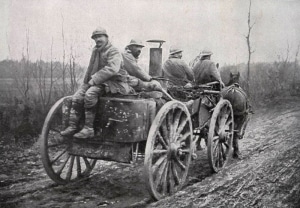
(220,135)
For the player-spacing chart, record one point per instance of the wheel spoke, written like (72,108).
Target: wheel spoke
(158,163)
(215,150)
(228,122)
(170,125)
(58,156)
(182,125)
(165,132)
(175,174)
(176,122)
(70,170)
(186,150)
(216,159)
(87,164)
(215,138)
(227,146)
(159,175)
(183,137)
(220,158)
(223,153)
(63,165)
(171,180)
(160,151)
(165,182)
(78,166)
(179,163)
(161,140)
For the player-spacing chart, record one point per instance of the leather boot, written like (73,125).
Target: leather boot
(74,118)
(88,129)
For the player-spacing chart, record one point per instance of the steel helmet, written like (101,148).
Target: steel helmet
(136,43)
(99,31)
(174,49)
(206,52)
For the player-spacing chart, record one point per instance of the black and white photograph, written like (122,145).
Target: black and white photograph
(150,103)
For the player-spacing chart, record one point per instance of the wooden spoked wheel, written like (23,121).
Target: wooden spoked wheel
(60,166)
(220,135)
(168,150)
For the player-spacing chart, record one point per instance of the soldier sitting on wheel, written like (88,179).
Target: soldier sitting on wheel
(176,69)
(104,74)
(138,78)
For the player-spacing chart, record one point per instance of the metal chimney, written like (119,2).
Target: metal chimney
(155,65)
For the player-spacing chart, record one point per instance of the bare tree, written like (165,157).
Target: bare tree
(250,51)
(45,81)
(23,74)
(64,57)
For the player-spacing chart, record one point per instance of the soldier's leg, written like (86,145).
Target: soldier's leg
(75,112)
(90,100)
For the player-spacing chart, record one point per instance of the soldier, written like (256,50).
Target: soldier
(205,70)
(104,75)
(138,79)
(176,69)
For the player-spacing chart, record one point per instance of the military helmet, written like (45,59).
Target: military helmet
(136,42)
(206,52)
(99,31)
(174,50)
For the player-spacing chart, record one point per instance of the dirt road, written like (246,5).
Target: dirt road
(268,175)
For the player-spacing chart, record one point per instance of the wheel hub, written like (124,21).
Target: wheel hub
(174,150)
(223,135)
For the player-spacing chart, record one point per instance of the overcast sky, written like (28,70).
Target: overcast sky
(192,25)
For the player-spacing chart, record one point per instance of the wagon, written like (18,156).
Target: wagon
(162,128)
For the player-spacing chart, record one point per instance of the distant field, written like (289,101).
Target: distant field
(9,88)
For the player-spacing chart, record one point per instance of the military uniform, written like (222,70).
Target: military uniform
(176,69)
(104,75)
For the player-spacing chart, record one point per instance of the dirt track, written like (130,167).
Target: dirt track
(266,176)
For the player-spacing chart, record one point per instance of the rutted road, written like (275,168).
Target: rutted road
(267,176)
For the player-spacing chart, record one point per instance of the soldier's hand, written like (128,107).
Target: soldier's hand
(188,85)
(155,85)
(91,82)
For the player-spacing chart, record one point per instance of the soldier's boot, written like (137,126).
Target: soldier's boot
(236,152)
(74,119)
(88,129)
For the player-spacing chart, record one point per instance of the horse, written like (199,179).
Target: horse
(241,108)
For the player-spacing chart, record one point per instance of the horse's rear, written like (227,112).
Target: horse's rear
(240,105)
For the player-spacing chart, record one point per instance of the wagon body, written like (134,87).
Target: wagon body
(119,123)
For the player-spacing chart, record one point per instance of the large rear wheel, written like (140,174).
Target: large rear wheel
(220,135)
(168,150)
(60,166)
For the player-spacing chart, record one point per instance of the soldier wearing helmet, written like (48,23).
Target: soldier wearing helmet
(205,70)
(176,69)
(104,75)
(138,78)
